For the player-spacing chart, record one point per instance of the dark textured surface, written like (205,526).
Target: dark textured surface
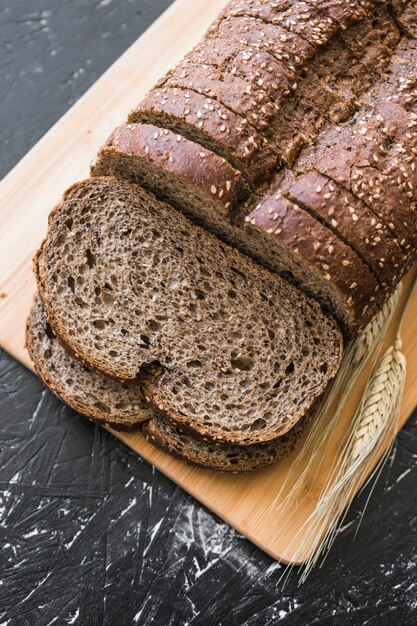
(90,533)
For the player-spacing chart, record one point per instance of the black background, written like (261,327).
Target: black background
(89,532)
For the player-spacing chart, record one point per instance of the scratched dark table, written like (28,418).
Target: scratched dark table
(89,532)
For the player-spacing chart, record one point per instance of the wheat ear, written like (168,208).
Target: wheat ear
(376,419)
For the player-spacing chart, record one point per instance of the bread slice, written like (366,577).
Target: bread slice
(226,349)
(122,407)
(352,221)
(209,123)
(216,456)
(86,391)
(192,178)
(315,21)
(284,234)
(360,155)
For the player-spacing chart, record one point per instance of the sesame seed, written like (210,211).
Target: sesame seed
(213,189)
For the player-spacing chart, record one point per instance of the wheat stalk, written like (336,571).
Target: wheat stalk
(376,418)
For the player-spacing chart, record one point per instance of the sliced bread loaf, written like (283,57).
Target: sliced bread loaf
(98,397)
(216,456)
(225,348)
(275,246)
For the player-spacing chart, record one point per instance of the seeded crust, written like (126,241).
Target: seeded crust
(145,295)
(361,156)
(328,268)
(285,131)
(83,389)
(205,121)
(302,18)
(222,457)
(405,15)
(351,221)
(248,62)
(183,172)
(373,41)
(287,47)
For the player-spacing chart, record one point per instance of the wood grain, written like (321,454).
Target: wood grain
(29,192)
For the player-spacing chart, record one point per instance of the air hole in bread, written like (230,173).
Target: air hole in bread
(258,424)
(323,368)
(99,324)
(91,259)
(102,407)
(242,363)
(71,283)
(81,303)
(289,369)
(194,363)
(145,341)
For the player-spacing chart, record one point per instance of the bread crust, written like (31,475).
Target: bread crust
(201,169)
(278,217)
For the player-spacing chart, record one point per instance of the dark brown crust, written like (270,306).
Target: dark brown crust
(285,46)
(199,168)
(203,119)
(352,221)
(303,19)
(319,247)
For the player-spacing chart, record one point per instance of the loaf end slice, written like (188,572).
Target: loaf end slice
(88,392)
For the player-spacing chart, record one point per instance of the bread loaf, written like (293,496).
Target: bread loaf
(318,81)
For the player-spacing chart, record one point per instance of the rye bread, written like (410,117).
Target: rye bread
(137,292)
(185,174)
(85,390)
(285,127)
(205,121)
(405,14)
(320,263)
(373,41)
(361,156)
(300,17)
(221,457)
(287,47)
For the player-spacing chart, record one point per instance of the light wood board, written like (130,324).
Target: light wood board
(32,188)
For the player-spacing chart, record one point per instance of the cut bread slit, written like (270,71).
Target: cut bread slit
(170,122)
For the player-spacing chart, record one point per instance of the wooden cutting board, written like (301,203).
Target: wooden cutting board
(62,157)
